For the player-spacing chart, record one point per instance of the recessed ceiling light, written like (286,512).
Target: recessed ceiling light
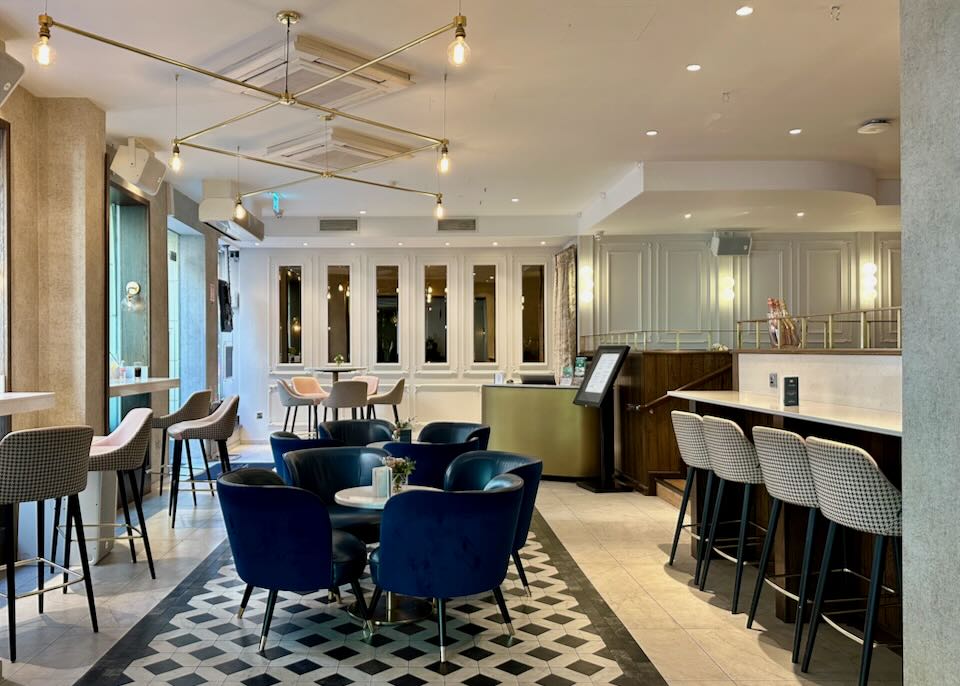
(352,245)
(256,243)
(694,67)
(543,242)
(687,215)
(447,244)
(795,132)
(745,11)
(514,199)
(801,214)
(400,243)
(363,211)
(495,244)
(304,245)
(652,132)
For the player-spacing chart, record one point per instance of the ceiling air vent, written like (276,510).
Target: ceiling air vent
(338,225)
(456,224)
(336,148)
(313,61)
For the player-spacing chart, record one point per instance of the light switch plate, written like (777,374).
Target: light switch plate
(773,379)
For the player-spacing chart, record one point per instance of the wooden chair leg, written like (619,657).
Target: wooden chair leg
(138,502)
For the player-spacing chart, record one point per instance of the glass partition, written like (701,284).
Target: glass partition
(291,315)
(338,313)
(485,313)
(435,313)
(388,314)
(531,305)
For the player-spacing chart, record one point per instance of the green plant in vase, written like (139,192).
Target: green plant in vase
(403,431)
(339,359)
(400,469)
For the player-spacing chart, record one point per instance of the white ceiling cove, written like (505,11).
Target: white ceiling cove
(551,110)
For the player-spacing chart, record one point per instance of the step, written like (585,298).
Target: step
(670,490)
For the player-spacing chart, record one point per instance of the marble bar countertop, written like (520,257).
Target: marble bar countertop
(17,403)
(151,384)
(876,421)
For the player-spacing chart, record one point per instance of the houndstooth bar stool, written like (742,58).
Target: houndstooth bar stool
(196,407)
(37,465)
(218,427)
(854,493)
(787,477)
(733,459)
(688,428)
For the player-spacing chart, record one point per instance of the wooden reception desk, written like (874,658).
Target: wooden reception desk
(542,421)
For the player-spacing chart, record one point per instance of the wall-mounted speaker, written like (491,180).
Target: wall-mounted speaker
(730,243)
(137,165)
(11,72)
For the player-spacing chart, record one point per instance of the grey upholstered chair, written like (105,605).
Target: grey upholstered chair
(347,395)
(688,428)
(392,397)
(38,465)
(290,399)
(196,407)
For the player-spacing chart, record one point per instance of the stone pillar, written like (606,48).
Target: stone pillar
(930,173)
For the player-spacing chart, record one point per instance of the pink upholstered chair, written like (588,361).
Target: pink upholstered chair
(309,387)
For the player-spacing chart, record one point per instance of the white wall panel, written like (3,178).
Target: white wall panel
(624,305)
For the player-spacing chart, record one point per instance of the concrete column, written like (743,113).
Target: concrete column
(930,173)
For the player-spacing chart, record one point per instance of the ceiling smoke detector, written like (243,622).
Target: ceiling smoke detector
(872,127)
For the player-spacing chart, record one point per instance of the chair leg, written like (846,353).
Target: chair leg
(246,599)
(324,413)
(55,534)
(703,526)
(293,424)
(521,572)
(775,507)
(286,419)
(442,628)
(193,483)
(224,455)
(818,596)
(84,563)
(371,412)
(741,544)
(873,601)
(138,503)
(708,549)
(267,618)
(361,601)
(67,540)
(396,415)
(126,515)
(691,475)
(41,534)
(10,560)
(353,413)
(504,612)
(374,601)
(175,482)
(898,561)
(804,583)
(206,463)
(163,457)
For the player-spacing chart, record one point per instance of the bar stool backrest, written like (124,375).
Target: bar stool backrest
(852,490)
(39,464)
(347,394)
(688,428)
(373,383)
(392,397)
(732,455)
(197,406)
(126,446)
(306,385)
(785,466)
(289,397)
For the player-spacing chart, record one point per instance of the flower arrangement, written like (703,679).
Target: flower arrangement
(401,469)
(339,359)
(403,430)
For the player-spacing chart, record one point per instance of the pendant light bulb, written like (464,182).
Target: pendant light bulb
(438,212)
(239,211)
(458,52)
(444,165)
(43,52)
(176,163)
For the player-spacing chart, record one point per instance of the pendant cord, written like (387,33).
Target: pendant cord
(176,109)
(286,62)
(238,171)
(444,105)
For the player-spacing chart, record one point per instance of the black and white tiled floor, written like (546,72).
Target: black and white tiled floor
(566,635)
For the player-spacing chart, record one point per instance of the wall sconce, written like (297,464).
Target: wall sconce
(868,281)
(586,284)
(727,292)
(295,325)
(133,300)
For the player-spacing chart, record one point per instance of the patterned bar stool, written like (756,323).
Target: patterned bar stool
(734,459)
(196,407)
(854,493)
(787,477)
(290,399)
(218,427)
(37,465)
(688,428)
(122,452)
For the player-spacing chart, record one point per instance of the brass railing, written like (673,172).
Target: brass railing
(659,339)
(802,329)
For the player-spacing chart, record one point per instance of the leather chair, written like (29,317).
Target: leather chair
(440,544)
(432,459)
(324,471)
(358,432)
(282,540)
(392,397)
(282,442)
(455,432)
(473,471)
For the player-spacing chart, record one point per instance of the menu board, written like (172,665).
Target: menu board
(601,374)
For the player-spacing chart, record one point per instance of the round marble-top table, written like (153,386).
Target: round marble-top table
(334,370)
(363,497)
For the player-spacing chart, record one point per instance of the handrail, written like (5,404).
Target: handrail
(685,387)
(789,323)
(639,340)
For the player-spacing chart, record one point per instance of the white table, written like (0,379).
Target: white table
(334,370)
(151,384)
(362,497)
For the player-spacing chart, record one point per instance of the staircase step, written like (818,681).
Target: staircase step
(670,490)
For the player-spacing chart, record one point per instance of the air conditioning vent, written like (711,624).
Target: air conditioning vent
(336,148)
(339,225)
(457,224)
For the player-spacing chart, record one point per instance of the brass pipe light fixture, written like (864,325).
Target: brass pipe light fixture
(176,164)
(43,52)
(458,52)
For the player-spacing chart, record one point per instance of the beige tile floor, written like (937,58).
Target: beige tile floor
(619,540)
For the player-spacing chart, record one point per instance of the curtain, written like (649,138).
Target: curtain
(565,307)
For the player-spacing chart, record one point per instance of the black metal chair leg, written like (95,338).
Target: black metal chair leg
(193,483)
(224,456)
(396,415)
(293,424)
(775,507)
(741,544)
(138,503)
(41,544)
(286,419)
(804,584)
(246,599)
(521,572)
(442,628)
(84,563)
(873,601)
(206,462)
(163,457)
(703,526)
(504,612)
(324,413)
(361,601)
(708,549)
(267,618)
(691,475)
(67,540)
(126,515)
(10,560)
(175,482)
(374,601)
(55,534)
(818,596)
(898,561)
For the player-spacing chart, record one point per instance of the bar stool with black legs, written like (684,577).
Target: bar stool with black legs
(854,493)
(734,460)
(291,400)
(196,407)
(688,428)
(787,477)
(37,465)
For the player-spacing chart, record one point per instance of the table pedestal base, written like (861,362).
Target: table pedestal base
(394,608)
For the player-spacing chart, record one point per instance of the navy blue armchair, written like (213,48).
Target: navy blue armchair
(282,442)
(432,459)
(441,545)
(282,540)
(359,432)
(456,432)
(324,471)
(473,471)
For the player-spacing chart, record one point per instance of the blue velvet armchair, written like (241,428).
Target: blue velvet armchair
(441,545)
(456,432)
(282,442)
(359,432)
(432,459)
(473,471)
(282,540)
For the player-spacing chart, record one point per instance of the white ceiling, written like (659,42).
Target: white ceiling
(552,108)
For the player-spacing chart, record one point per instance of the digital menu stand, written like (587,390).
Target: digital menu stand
(596,390)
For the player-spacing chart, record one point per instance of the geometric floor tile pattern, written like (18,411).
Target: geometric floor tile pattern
(565,635)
